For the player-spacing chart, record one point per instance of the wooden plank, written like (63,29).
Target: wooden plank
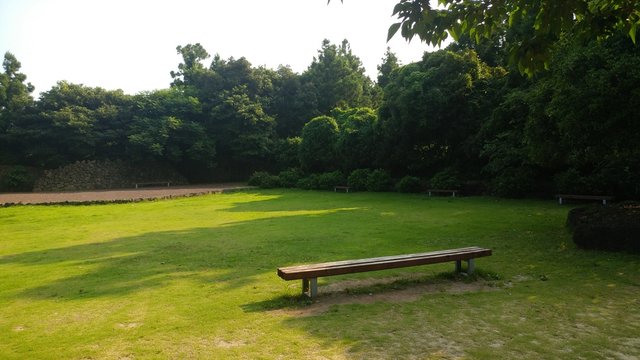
(383,258)
(380,263)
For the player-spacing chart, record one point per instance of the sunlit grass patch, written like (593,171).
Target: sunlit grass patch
(195,278)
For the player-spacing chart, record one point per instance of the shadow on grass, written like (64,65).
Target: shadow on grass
(229,256)
(407,287)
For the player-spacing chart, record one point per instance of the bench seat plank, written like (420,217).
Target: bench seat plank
(379,263)
(603,198)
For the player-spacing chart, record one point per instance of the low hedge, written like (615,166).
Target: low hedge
(612,228)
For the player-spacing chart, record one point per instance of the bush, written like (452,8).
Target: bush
(17,179)
(264,180)
(513,182)
(324,181)
(445,179)
(317,148)
(327,181)
(358,179)
(378,180)
(308,183)
(613,228)
(409,184)
(289,178)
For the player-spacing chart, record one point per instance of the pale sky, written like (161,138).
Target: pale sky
(131,44)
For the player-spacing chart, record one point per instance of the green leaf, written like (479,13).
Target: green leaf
(632,32)
(393,29)
(397,8)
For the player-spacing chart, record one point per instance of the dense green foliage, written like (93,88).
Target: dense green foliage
(216,122)
(460,118)
(534,26)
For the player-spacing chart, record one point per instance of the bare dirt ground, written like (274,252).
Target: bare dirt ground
(117,194)
(338,294)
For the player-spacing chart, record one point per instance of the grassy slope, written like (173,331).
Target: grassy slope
(195,278)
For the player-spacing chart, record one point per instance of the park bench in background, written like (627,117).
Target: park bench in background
(153,183)
(341,187)
(604,199)
(443,191)
(311,272)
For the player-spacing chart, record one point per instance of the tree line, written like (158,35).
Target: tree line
(463,116)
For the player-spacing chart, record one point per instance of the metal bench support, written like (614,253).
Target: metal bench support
(471,266)
(310,287)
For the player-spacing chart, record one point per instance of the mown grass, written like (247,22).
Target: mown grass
(195,278)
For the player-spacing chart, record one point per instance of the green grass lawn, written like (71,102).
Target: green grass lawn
(196,278)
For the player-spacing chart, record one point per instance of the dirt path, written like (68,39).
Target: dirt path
(117,195)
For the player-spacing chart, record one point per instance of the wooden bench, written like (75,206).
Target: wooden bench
(602,198)
(443,191)
(154,183)
(311,272)
(341,187)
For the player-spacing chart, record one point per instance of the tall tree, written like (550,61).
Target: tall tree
(293,102)
(80,122)
(15,99)
(432,111)
(589,129)
(389,63)
(338,78)
(243,132)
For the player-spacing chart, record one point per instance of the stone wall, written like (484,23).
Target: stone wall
(105,174)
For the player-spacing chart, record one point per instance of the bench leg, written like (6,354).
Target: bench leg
(560,200)
(310,287)
(471,266)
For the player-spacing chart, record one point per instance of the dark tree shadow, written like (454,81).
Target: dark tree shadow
(237,252)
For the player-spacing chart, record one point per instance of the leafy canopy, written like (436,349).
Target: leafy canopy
(538,24)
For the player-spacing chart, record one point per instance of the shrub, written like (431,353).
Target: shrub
(409,184)
(324,181)
(613,228)
(445,179)
(513,182)
(18,179)
(378,180)
(327,181)
(264,180)
(308,183)
(289,178)
(317,148)
(358,179)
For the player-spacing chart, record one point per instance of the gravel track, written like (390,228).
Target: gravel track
(117,195)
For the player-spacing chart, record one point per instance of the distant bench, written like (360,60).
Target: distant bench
(153,183)
(443,191)
(311,272)
(341,187)
(604,199)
